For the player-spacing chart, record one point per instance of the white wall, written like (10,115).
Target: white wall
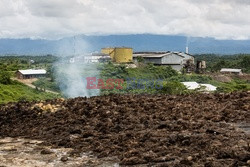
(172,59)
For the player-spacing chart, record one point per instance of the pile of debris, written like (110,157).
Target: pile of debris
(48,107)
(198,129)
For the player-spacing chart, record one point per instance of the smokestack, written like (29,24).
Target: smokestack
(187,49)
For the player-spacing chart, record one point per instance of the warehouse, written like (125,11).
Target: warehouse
(176,60)
(29,74)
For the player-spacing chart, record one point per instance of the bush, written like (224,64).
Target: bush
(44,83)
(193,77)
(174,87)
(5,78)
(161,72)
(235,85)
(110,70)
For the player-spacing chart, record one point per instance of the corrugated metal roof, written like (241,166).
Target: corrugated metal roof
(149,55)
(230,70)
(154,54)
(183,54)
(159,52)
(32,72)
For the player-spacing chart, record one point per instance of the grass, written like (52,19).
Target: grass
(17,91)
(235,85)
(47,84)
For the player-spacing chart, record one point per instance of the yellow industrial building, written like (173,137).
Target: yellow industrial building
(119,55)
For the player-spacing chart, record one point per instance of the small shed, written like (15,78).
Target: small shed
(231,71)
(29,74)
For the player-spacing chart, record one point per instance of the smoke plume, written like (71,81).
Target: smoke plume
(72,69)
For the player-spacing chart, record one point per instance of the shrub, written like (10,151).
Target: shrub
(193,77)
(5,78)
(174,87)
(233,86)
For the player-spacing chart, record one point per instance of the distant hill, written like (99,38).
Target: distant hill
(143,42)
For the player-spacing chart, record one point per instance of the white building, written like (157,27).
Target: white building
(90,58)
(29,74)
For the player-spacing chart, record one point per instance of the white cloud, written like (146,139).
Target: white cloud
(223,19)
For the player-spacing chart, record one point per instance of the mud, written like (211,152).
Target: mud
(190,130)
(19,152)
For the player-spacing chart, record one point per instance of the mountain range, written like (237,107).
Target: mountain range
(139,42)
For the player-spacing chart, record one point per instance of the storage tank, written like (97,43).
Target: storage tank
(109,51)
(199,65)
(203,64)
(123,55)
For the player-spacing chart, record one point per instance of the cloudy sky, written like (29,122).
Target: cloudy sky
(53,19)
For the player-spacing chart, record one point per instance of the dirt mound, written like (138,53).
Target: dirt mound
(198,129)
(222,78)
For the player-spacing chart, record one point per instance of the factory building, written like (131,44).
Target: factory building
(186,57)
(177,60)
(119,55)
(29,74)
(90,58)
(97,58)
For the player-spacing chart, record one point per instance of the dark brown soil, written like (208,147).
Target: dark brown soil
(188,130)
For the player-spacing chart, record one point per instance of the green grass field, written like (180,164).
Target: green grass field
(17,91)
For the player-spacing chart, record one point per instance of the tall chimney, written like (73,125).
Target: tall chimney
(187,49)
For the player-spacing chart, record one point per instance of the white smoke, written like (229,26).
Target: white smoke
(72,70)
(188,41)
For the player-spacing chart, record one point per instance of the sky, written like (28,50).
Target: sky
(55,19)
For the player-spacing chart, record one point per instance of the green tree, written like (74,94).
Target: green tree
(219,65)
(245,63)
(41,83)
(5,78)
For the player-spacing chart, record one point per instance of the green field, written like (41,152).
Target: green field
(17,91)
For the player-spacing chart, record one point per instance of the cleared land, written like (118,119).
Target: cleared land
(198,129)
